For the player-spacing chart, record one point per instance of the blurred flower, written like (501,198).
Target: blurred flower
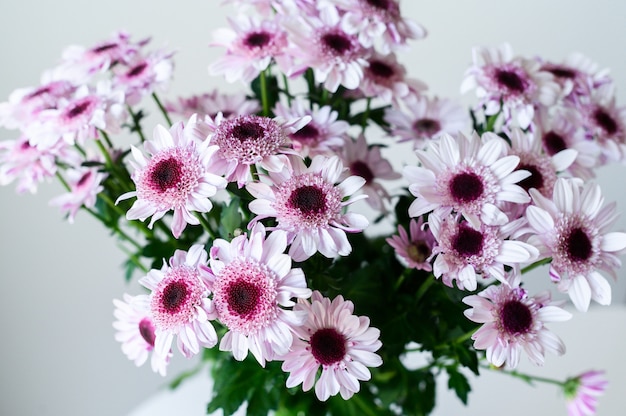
(582,391)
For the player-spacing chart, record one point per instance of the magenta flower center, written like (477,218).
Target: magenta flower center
(243,297)
(174,296)
(553,143)
(466,187)
(605,121)
(381,69)
(137,70)
(306,133)
(426,126)
(419,252)
(78,109)
(308,199)
(257,39)
(247,130)
(360,168)
(510,80)
(146,330)
(328,346)
(166,174)
(104,48)
(379,4)
(337,43)
(535,180)
(578,245)
(467,241)
(516,317)
(562,72)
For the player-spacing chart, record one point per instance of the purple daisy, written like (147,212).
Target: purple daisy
(85,185)
(209,104)
(582,392)
(414,250)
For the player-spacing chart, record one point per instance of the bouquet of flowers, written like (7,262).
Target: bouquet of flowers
(305,236)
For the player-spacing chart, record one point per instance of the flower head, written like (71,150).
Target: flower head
(332,338)
(582,391)
(414,250)
(209,104)
(85,185)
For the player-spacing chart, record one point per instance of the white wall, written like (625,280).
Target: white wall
(58,353)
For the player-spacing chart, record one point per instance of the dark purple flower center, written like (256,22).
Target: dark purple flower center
(328,346)
(510,80)
(257,39)
(426,126)
(553,143)
(419,251)
(381,69)
(146,330)
(308,199)
(578,245)
(562,72)
(338,43)
(247,130)
(83,179)
(308,132)
(467,241)
(360,168)
(166,174)
(243,297)
(78,109)
(38,92)
(104,48)
(605,121)
(535,180)
(174,296)
(516,317)
(137,70)
(466,187)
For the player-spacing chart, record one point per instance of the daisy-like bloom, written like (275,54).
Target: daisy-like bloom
(426,118)
(85,185)
(175,176)
(368,163)
(468,175)
(333,338)
(414,250)
(336,57)
(308,203)
(250,47)
(250,140)
(323,135)
(518,83)
(572,229)
(143,75)
(582,392)
(135,330)
(385,78)
(464,253)
(605,123)
(179,303)
(253,288)
(378,23)
(209,104)
(514,322)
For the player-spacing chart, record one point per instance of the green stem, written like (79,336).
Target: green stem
(136,126)
(536,264)
(264,98)
(63,181)
(366,115)
(106,138)
(162,108)
(205,224)
(430,280)
(363,406)
(287,93)
(529,378)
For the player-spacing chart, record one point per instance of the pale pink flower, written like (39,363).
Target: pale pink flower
(253,288)
(385,78)
(578,76)
(414,250)
(85,184)
(426,118)
(209,104)
(605,122)
(572,229)
(179,303)
(336,340)
(251,140)
(367,162)
(27,164)
(144,75)
(323,135)
(516,84)
(251,45)
(467,175)
(135,330)
(176,176)
(514,322)
(310,205)
(582,392)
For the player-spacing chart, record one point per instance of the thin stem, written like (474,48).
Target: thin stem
(136,125)
(162,108)
(106,138)
(430,280)
(205,224)
(287,93)
(366,115)
(264,98)
(536,264)
(63,181)
(529,378)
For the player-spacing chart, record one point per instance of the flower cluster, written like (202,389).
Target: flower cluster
(257,253)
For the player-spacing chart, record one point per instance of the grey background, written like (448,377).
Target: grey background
(58,355)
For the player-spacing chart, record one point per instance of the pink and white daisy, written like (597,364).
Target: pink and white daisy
(572,229)
(414,250)
(85,184)
(582,392)
(144,75)
(135,330)
(251,140)
(514,322)
(426,118)
(336,340)
(368,163)
(253,288)
(323,135)
(515,83)
(176,177)
(605,122)
(309,205)
(209,104)
(336,57)
(464,252)
(385,78)
(251,45)
(179,303)
(467,175)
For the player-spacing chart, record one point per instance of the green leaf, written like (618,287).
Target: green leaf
(458,382)
(230,219)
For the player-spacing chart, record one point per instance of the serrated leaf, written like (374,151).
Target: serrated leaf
(458,382)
